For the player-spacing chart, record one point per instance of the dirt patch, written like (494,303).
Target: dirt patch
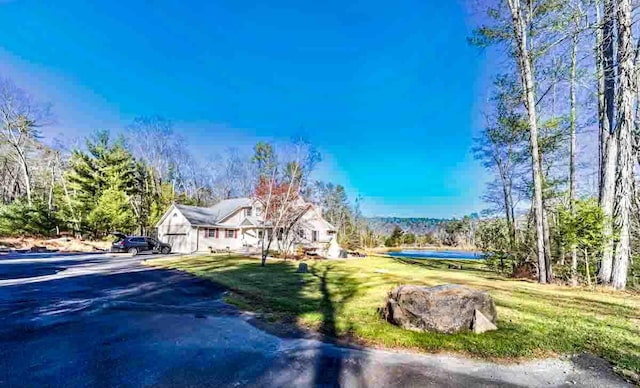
(63,244)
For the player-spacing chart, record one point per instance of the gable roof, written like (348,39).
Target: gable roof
(250,221)
(226,207)
(209,216)
(197,216)
(212,216)
(327,224)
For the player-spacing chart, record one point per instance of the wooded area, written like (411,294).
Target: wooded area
(561,136)
(103,183)
(108,182)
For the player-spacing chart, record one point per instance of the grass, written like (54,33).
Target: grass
(341,299)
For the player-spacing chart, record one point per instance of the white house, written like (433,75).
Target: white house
(234,224)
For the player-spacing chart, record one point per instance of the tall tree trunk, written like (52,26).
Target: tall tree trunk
(586,267)
(507,209)
(53,180)
(265,250)
(574,266)
(573,144)
(603,124)
(624,176)
(547,243)
(511,209)
(524,61)
(74,216)
(607,187)
(25,172)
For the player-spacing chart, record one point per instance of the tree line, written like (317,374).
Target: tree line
(561,135)
(456,233)
(105,182)
(109,182)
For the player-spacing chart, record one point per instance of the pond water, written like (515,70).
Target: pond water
(424,254)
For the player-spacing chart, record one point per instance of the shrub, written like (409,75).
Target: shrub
(20,218)
(634,273)
(499,261)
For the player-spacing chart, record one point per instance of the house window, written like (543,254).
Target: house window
(230,233)
(301,233)
(248,212)
(314,235)
(211,233)
(260,234)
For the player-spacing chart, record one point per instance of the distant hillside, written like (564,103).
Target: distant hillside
(415,225)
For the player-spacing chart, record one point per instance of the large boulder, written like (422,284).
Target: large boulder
(448,308)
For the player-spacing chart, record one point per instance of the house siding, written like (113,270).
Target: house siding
(234,219)
(221,242)
(313,221)
(176,230)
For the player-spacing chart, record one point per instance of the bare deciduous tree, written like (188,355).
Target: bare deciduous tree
(21,118)
(278,191)
(520,15)
(606,92)
(624,177)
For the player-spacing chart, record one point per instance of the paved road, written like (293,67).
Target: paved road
(105,321)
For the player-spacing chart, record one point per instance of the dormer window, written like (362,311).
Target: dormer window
(248,212)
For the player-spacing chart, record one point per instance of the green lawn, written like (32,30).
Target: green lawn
(341,298)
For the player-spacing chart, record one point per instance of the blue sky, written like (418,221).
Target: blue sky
(390,93)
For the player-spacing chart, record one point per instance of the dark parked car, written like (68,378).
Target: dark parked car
(138,244)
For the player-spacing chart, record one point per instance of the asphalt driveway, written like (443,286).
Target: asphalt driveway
(105,321)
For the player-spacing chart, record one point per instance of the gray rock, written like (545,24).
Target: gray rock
(448,308)
(303,268)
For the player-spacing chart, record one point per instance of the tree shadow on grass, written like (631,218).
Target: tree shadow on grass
(329,367)
(425,263)
(587,305)
(281,296)
(442,264)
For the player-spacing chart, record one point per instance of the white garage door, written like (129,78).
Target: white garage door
(179,243)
